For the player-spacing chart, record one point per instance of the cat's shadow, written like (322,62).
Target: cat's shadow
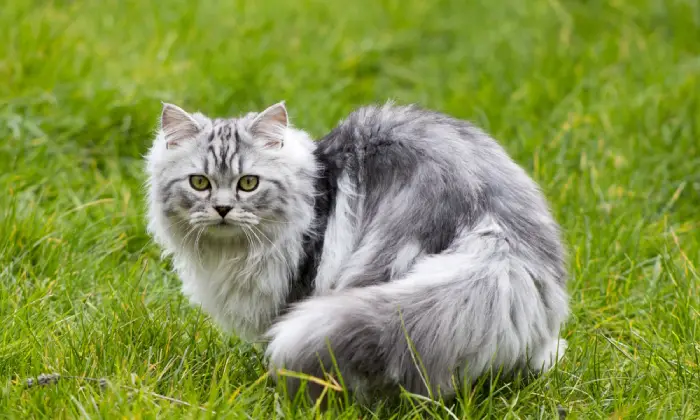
(304,395)
(397,401)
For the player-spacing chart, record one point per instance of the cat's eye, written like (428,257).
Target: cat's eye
(199,182)
(248,183)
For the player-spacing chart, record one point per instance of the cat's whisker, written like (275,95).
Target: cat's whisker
(249,238)
(183,243)
(196,245)
(259,241)
(177,223)
(282,257)
(247,235)
(280,222)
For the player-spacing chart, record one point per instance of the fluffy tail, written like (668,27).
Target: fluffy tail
(475,306)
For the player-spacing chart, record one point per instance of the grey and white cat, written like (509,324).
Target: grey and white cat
(401,223)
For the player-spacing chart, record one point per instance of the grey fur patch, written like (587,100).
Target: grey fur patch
(451,244)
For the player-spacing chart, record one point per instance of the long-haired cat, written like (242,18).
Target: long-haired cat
(406,243)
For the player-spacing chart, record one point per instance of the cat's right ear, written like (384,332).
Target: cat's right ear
(177,125)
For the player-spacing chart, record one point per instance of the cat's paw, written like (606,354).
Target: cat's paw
(296,338)
(548,355)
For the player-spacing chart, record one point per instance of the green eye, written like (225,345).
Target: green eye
(199,182)
(248,183)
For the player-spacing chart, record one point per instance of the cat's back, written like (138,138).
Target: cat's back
(408,135)
(402,142)
(436,173)
(392,127)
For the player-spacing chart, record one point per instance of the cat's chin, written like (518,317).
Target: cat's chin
(224,231)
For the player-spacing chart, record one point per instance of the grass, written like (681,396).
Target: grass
(598,100)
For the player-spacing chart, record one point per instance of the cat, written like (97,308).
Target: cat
(405,249)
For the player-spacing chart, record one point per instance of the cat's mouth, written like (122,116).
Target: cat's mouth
(223,225)
(223,230)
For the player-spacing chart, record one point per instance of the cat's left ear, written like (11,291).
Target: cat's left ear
(177,125)
(270,125)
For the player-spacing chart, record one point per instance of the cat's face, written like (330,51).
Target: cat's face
(227,177)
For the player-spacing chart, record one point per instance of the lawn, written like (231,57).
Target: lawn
(598,100)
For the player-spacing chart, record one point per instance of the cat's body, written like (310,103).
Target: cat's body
(400,223)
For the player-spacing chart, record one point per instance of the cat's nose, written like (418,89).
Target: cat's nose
(223,210)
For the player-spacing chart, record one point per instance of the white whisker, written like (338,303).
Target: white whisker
(183,242)
(260,244)
(196,245)
(282,257)
(280,222)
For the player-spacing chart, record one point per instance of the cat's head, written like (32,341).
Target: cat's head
(228,178)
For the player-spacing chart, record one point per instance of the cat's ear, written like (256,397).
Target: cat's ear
(270,125)
(177,125)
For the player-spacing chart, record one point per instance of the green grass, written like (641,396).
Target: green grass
(598,100)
